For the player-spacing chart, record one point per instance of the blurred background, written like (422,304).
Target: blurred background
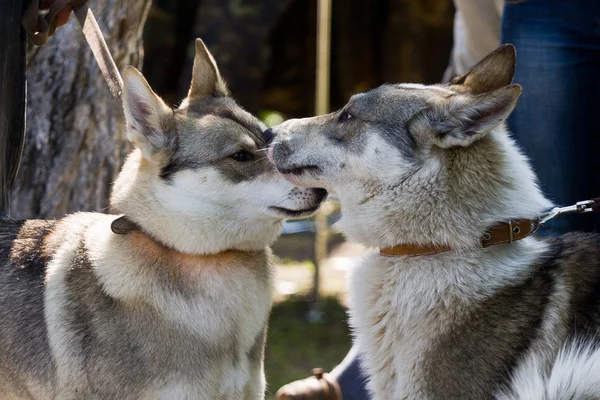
(267,49)
(267,52)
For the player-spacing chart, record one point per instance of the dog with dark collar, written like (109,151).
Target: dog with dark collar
(169,296)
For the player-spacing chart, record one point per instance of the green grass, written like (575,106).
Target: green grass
(294,346)
(286,261)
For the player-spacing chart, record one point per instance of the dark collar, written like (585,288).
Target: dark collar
(123,226)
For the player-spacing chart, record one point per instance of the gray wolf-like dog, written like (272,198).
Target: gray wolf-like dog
(433,166)
(176,307)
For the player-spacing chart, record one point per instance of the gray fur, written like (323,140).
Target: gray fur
(23,341)
(257,351)
(476,358)
(177,308)
(124,348)
(389,99)
(223,126)
(434,165)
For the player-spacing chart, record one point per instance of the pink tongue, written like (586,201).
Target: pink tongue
(270,153)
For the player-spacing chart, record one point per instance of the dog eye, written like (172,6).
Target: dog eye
(345,116)
(243,156)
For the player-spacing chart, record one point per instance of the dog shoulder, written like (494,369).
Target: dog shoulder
(22,243)
(578,260)
(28,248)
(27,251)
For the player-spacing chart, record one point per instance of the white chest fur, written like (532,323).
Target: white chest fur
(217,306)
(400,306)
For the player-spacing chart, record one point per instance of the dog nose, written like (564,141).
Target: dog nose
(320,194)
(268,135)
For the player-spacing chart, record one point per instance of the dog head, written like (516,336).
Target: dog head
(416,163)
(199,178)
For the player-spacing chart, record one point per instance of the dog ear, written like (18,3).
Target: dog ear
(496,70)
(149,120)
(464,119)
(206,79)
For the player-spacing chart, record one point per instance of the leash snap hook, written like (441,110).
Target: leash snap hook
(579,207)
(547,216)
(586,205)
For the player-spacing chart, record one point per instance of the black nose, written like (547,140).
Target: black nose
(320,193)
(268,135)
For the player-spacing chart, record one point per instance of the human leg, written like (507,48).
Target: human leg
(558,59)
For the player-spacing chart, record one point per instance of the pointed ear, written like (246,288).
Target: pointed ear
(496,70)
(206,80)
(463,119)
(149,120)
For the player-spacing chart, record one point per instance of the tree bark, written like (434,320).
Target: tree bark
(74,143)
(12,94)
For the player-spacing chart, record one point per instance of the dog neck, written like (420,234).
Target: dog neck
(123,226)
(450,200)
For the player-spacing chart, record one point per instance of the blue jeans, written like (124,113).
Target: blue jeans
(556,121)
(350,377)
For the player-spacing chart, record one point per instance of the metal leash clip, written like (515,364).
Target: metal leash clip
(579,207)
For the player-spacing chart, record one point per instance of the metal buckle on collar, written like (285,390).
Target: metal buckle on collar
(579,207)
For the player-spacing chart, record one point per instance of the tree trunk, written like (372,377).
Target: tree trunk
(12,94)
(74,144)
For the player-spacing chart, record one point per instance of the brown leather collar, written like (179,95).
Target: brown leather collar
(505,232)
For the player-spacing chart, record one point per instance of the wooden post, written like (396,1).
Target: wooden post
(12,94)
(321,107)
